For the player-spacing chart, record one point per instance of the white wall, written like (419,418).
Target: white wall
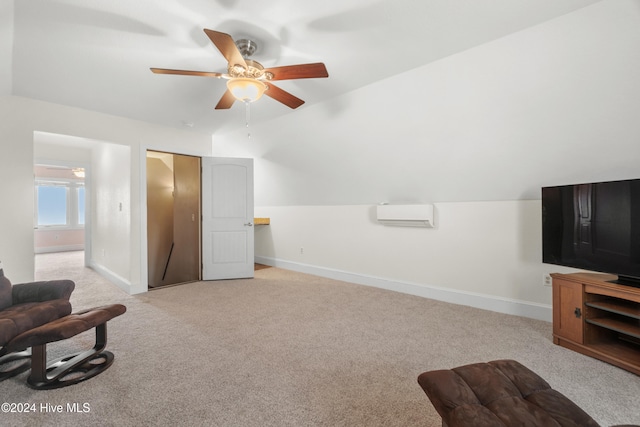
(477,235)
(6,46)
(111,240)
(477,133)
(61,150)
(484,254)
(21,118)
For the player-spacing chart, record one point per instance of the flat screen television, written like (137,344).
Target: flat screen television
(594,226)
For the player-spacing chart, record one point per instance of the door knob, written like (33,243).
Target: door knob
(248,224)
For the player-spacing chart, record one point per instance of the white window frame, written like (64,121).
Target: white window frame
(73,206)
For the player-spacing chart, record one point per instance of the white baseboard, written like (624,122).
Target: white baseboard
(119,281)
(50,249)
(485,302)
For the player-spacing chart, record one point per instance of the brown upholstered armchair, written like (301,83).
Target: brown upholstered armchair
(26,306)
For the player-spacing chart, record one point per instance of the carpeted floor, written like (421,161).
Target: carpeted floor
(289,349)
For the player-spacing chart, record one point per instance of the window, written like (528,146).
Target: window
(80,191)
(52,205)
(59,204)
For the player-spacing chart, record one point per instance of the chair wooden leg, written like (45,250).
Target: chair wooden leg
(70,369)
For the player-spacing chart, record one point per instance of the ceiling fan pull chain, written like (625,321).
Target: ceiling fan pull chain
(247,115)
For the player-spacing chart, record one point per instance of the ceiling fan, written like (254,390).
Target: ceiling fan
(248,80)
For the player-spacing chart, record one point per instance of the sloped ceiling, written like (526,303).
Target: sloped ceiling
(553,104)
(97,55)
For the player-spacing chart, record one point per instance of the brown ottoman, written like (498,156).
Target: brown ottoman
(499,393)
(76,367)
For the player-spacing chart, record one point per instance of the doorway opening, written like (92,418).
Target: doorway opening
(60,205)
(173,218)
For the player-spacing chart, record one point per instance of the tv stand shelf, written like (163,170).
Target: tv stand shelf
(616,326)
(598,318)
(624,308)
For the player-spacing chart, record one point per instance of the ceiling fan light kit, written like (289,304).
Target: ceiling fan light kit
(246,77)
(246,89)
(245,81)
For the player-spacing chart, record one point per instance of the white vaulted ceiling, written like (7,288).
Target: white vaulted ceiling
(96,55)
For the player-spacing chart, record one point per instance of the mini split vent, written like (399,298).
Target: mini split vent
(406,215)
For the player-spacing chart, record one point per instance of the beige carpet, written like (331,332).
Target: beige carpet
(289,349)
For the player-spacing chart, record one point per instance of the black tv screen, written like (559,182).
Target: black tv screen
(594,226)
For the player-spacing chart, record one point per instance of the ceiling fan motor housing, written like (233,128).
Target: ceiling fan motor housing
(246,47)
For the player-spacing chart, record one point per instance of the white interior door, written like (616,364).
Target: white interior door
(227,218)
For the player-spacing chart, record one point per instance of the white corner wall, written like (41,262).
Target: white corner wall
(477,134)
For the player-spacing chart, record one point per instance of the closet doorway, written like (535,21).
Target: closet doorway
(173,218)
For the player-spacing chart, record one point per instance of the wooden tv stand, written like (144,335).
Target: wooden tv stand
(597,318)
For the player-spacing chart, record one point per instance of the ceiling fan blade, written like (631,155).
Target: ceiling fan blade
(226,101)
(227,47)
(282,96)
(185,72)
(301,71)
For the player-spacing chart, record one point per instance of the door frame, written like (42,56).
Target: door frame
(143,286)
(198,242)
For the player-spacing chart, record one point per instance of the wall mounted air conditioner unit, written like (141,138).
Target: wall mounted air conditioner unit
(406,215)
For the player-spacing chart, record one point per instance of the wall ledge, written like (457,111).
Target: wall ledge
(486,302)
